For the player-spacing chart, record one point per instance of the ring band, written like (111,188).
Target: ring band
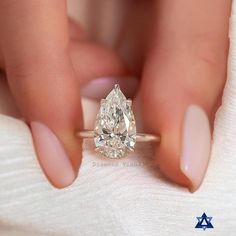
(140,137)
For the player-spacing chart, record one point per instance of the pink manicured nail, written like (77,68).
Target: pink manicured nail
(100,87)
(196,145)
(52,156)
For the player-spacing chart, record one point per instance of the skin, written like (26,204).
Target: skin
(181,60)
(184,62)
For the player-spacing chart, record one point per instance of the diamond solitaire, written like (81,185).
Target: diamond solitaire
(115,130)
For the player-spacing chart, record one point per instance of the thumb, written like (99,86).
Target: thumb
(182,85)
(42,80)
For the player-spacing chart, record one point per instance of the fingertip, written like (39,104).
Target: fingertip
(196,145)
(184,152)
(98,88)
(52,156)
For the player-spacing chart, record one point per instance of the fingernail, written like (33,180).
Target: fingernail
(100,87)
(52,156)
(196,145)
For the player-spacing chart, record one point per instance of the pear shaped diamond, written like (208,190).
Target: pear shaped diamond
(115,129)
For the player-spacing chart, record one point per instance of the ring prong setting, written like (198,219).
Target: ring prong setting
(115,128)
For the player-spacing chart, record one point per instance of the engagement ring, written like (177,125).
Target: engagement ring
(115,129)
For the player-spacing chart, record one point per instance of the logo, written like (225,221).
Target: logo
(204,222)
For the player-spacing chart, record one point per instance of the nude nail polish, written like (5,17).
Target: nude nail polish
(51,155)
(99,88)
(196,145)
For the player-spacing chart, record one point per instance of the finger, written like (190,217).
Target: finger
(43,82)
(98,77)
(86,59)
(84,53)
(182,83)
(75,33)
(87,54)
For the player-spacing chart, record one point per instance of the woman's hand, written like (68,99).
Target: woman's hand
(45,63)
(183,75)
(178,48)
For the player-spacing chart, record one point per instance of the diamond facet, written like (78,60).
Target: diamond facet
(115,129)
